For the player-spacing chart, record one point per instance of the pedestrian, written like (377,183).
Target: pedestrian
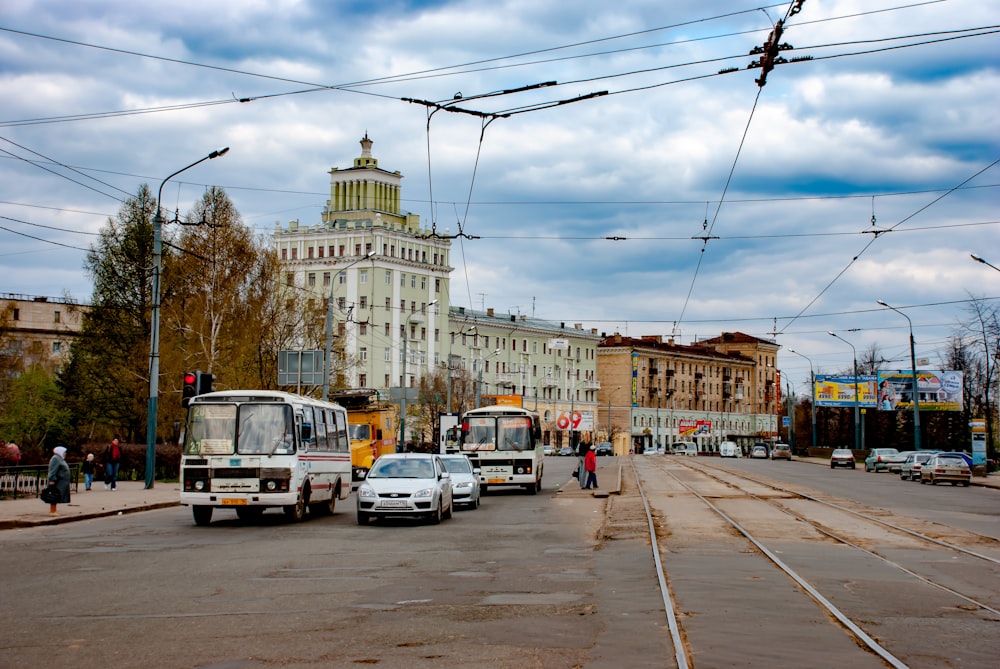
(112,461)
(582,449)
(59,477)
(88,471)
(591,466)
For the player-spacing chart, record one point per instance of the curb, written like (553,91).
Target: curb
(18,523)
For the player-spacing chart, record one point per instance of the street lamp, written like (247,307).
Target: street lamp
(980,260)
(479,378)
(812,395)
(857,425)
(329,325)
(154,324)
(406,336)
(913,371)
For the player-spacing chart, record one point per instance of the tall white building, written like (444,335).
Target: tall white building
(382,271)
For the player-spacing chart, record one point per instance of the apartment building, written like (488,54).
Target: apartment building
(37,330)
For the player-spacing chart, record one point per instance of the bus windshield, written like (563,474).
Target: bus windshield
(214,429)
(359,432)
(514,433)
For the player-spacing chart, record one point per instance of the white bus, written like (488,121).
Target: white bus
(248,450)
(505,444)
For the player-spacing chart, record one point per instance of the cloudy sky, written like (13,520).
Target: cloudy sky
(684,200)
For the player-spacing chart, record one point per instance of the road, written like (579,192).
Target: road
(552,580)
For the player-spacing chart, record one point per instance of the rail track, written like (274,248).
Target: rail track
(815,533)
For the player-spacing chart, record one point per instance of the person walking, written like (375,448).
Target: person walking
(582,449)
(112,461)
(59,477)
(590,464)
(88,468)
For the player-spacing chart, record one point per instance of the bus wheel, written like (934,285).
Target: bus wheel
(202,515)
(532,488)
(296,512)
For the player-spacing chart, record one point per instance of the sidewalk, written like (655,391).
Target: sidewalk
(131,496)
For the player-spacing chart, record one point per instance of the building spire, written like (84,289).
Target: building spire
(366,159)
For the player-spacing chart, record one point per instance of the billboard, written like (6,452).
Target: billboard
(691,428)
(575,421)
(939,391)
(838,391)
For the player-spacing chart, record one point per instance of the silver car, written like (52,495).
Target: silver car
(909,470)
(464,480)
(406,484)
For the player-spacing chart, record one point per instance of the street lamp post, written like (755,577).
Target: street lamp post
(812,395)
(329,325)
(154,324)
(857,425)
(913,371)
(979,260)
(406,336)
(479,376)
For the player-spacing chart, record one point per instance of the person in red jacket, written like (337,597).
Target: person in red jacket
(590,464)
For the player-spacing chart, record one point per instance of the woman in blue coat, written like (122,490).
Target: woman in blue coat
(59,476)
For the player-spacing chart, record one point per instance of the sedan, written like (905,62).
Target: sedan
(566,450)
(951,468)
(548,449)
(464,480)
(878,459)
(605,448)
(909,470)
(842,457)
(896,461)
(759,452)
(406,484)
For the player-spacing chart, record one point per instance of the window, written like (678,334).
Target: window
(402,279)
(341,278)
(364,302)
(437,285)
(56,347)
(331,250)
(363,354)
(340,249)
(388,304)
(55,316)
(295,253)
(363,277)
(423,283)
(341,303)
(284,254)
(309,252)
(388,351)
(413,280)
(320,250)
(388,277)
(368,249)
(388,332)
(357,249)
(326,279)
(311,279)
(362,380)
(289,281)
(363,329)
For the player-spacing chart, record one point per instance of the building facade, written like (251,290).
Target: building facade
(659,392)
(37,330)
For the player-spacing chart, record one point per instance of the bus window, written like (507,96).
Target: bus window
(360,432)
(265,429)
(210,429)
(515,434)
(321,443)
(480,433)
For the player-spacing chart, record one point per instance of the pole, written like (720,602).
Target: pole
(913,371)
(329,327)
(154,324)
(406,385)
(812,395)
(857,424)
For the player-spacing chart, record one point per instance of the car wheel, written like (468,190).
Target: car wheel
(831,465)
(965,484)
(202,515)
(363,517)
(475,505)
(434,518)
(447,514)
(852,465)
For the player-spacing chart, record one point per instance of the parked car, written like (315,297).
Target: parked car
(406,484)
(946,467)
(909,470)
(684,448)
(895,461)
(566,450)
(730,449)
(964,456)
(548,449)
(781,452)
(464,480)
(759,452)
(767,447)
(605,448)
(842,457)
(878,459)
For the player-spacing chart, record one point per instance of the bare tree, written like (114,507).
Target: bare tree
(982,332)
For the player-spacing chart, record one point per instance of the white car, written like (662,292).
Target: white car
(464,480)
(406,484)
(730,449)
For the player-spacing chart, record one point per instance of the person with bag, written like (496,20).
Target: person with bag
(590,464)
(58,480)
(112,461)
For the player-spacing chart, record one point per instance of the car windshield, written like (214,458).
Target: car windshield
(951,461)
(359,432)
(402,469)
(458,465)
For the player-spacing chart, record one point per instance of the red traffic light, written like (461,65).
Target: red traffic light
(189,379)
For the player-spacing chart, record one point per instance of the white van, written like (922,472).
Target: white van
(730,449)
(684,448)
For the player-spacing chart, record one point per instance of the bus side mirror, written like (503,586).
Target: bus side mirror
(305,432)
(378,434)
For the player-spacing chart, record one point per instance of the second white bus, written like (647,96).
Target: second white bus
(505,444)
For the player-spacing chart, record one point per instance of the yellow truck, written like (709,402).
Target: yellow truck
(371,424)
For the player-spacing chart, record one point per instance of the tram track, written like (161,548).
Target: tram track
(854,623)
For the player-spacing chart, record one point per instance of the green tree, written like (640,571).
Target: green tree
(35,416)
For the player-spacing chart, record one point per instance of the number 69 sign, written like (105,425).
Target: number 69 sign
(582,421)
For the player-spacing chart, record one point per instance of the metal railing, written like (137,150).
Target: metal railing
(30,480)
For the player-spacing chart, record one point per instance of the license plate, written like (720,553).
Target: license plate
(229,501)
(496,480)
(394,503)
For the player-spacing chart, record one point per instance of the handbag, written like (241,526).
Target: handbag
(50,495)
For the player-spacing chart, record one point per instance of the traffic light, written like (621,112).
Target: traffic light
(190,387)
(205,382)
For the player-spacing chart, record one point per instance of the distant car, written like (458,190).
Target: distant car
(909,470)
(767,447)
(759,452)
(781,452)
(605,448)
(650,450)
(548,449)
(464,480)
(730,449)
(566,450)
(946,467)
(878,459)
(406,484)
(842,457)
(684,448)
(895,461)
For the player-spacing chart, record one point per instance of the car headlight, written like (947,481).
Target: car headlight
(463,485)
(426,492)
(366,492)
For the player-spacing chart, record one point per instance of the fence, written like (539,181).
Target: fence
(30,480)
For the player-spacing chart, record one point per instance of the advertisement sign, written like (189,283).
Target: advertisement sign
(691,428)
(503,400)
(978,441)
(838,391)
(635,379)
(577,421)
(939,391)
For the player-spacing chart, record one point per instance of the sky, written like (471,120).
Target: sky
(654,188)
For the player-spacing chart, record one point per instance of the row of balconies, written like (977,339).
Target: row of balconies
(548,381)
